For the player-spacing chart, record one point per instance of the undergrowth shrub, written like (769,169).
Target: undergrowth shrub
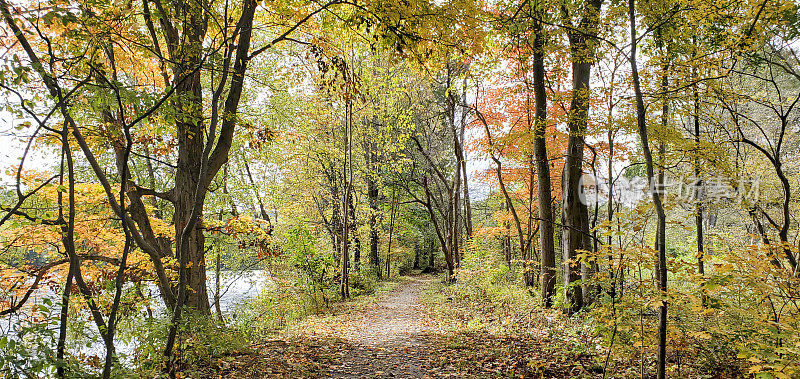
(362,282)
(487,294)
(741,318)
(201,338)
(489,297)
(28,348)
(280,303)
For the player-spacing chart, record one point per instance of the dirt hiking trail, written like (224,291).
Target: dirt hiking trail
(386,338)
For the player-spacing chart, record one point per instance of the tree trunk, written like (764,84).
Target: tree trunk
(588,289)
(467,202)
(347,174)
(507,248)
(391,235)
(698,188)
(661,266)
(191,142)
(698,216)
(217,277)
(610,173)
(441,231)
(455,193)
(546,227)
(575,214)
(416,255)
(372,193)
(197,296)
(62,326)
(354,232)
(431,257)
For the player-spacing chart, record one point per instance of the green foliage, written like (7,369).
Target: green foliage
(316,267)
(487,294)
(363,282)
(29,349)
(737,319)
(30,352)
(202,339)
(278,305)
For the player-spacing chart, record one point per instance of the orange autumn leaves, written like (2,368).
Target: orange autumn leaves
(38,239)
(507,105)
(508,108)
(247,232)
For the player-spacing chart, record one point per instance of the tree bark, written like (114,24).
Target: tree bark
(347,174)
(698,187)
(431,257)
(455,193)
(391,235)
(661,266)
(191,142)
(546,226)
(372,193)
(462,132)
(354,233)
(575,214)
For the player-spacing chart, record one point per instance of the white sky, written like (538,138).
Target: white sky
(12,146)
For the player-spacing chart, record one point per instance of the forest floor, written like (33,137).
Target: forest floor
(393,335)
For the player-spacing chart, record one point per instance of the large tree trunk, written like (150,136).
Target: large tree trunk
(546,228)
(190,152)
(197,297)
(575,214)
(191,142)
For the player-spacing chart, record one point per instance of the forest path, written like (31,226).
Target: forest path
(396,334)
(387,337)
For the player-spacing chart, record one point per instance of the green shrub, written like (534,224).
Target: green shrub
(362,282)
(201,338)
(275,307)
(29,349)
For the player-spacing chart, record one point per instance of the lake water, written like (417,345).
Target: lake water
(235,289)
